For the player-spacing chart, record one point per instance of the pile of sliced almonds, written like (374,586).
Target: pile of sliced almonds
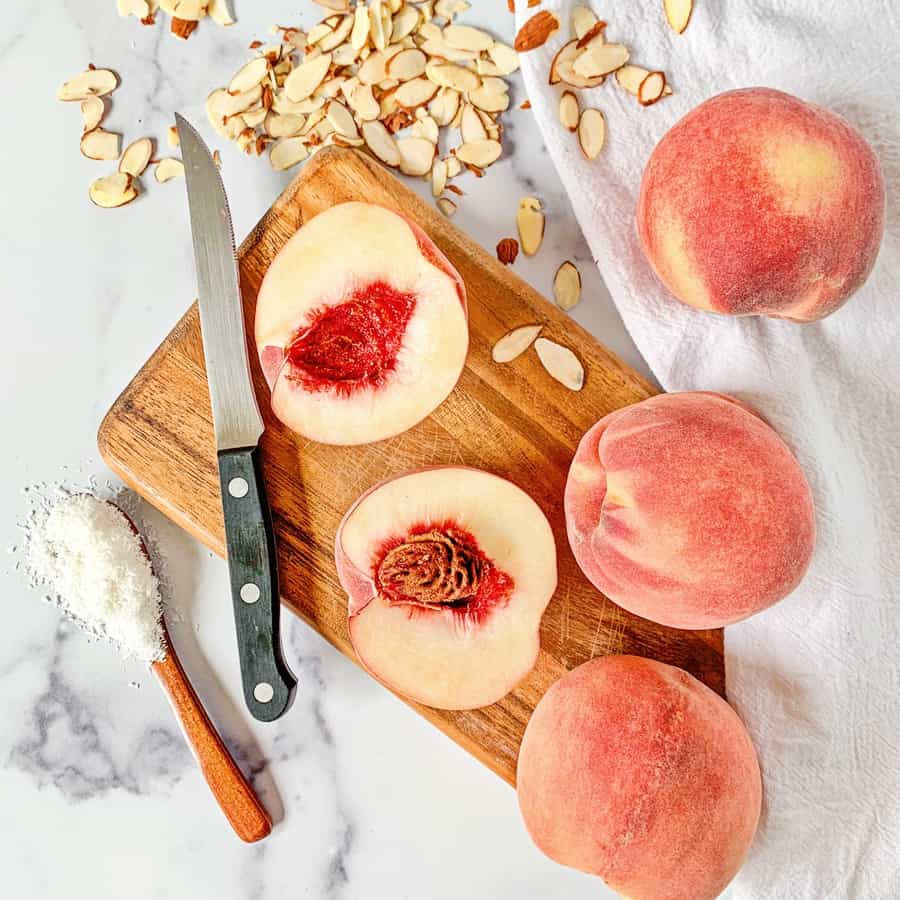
(89,89)
(586,60)
(388,76)
(559,361)
(186,14)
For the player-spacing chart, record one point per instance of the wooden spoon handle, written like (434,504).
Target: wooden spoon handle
(232,791)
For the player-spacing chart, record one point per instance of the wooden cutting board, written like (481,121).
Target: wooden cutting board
(513,420)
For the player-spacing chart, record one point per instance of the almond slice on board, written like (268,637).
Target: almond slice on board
(91,83)
(307,77)
(167,169)
(569,112)
(446,206)
(591,132)
(536,31)
(136,157)
(651,88)
(92,111)
(600,59)
(678,13)
(100,144)
(561,363)
(382,143)
(287,153)
(530,221)
(112,190)
(567,286)
(515,343)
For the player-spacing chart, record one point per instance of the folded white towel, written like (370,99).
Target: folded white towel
(816,678)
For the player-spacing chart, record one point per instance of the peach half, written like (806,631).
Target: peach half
(448,572)
(361,326)
(637,772)
(689,510)
(757,203)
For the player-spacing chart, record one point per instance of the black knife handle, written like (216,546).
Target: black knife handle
(269,684)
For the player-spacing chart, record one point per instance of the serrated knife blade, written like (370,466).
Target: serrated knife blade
(249,537)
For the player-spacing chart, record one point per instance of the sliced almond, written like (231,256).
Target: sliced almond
(504,58)
(530,222)
(569,112)
(91,83)
(250,75)
(567,286)
(561,68)
(651,88)
(515,343)
(471,127)
(341,119)
(363,103)
(318,33)
(479,153)
(136,157)
(307,77)
(446,206)
(489,99)
(596,60)
(381,142)
(376,26)
(438,48)
(426,128)
(406,65)
(337,37)
(287,152)
(594,36)
(280,126)
(416,155)
(220,12)
(444,106)
(138,8)
(113,190)
(168,168)
(92,111)
(173,139)
(561,363)
(450,8)
(253,118)
(453,76)
(454,167)
(438,177)
(591,132)
(100,144)
(405,22)
(678,13)
(465,37)
(415,93)
(583,19)
(536,31)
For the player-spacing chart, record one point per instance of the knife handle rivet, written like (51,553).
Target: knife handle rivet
(249,592)
(264,692)
(238,487)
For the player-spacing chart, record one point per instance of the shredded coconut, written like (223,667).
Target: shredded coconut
(85,552)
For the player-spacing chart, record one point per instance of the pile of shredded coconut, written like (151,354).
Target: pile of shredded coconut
(84,551)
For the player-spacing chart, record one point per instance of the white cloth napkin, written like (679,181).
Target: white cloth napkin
(817,677)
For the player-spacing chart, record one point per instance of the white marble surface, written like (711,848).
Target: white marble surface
(101,797)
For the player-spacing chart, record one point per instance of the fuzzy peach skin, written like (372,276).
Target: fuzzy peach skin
(689,510)
(757,203)
(637,772)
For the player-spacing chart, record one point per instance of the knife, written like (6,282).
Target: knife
(268,683)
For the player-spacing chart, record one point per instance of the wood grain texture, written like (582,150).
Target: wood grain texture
(513,420)
(233,793)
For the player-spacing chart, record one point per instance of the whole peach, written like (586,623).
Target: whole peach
(757,203)
(688,509)
(635,771)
